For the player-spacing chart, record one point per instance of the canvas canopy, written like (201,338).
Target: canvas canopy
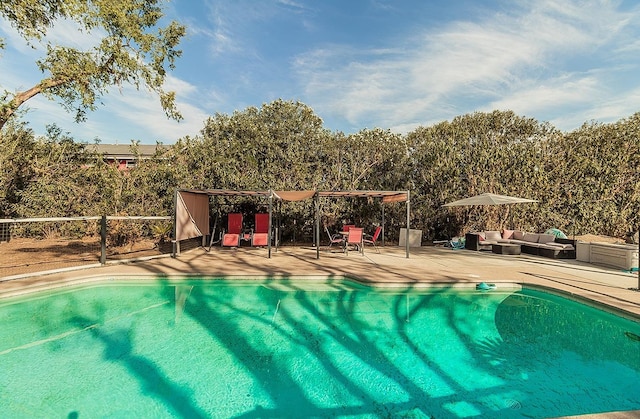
(489,199)
(192,207)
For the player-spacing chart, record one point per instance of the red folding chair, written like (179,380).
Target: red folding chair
(372,240)
(354,238)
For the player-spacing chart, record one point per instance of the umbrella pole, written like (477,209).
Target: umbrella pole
(408,225)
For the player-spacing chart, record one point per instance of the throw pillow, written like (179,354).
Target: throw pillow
(492,235)
(547,238)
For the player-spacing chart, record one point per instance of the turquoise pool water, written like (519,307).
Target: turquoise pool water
(310,349)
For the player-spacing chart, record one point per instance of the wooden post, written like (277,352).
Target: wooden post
(270,223)
(316,201)
(103,240)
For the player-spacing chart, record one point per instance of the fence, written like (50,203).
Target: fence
(29,245)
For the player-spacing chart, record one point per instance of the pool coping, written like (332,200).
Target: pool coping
(608,288)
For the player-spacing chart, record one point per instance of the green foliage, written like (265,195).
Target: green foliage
(599,187)
(283,145)
(250,149)
(132,50)
(161,231)
(64,180)
(18,150)
(482,152)
(586,181)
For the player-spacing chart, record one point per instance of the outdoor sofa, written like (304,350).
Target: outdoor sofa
(547,245)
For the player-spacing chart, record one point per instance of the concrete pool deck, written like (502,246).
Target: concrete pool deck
(608,287)
(425,265)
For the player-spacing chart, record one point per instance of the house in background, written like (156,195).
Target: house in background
(126,156)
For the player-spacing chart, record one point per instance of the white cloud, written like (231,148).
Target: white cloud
(140,112)
(618,106)
(551,95)
(14,40)
(226,35)
(69,33)
(522,60)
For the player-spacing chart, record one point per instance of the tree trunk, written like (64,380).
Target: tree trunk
(9,109)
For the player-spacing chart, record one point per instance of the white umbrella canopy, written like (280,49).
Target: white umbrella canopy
(488,199)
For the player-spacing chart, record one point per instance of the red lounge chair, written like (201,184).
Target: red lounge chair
(372,240)
(260,235)
(354,238)
(231,237)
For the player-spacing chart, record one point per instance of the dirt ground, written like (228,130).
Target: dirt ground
(24,255)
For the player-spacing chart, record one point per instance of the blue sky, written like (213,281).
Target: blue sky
(392,64)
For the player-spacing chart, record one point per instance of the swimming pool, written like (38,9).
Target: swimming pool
(215,348)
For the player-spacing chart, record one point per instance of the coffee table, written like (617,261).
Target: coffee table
(506,249)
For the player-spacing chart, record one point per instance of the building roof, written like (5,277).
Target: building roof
(124,151)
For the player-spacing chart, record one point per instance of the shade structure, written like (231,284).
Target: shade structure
(192,208)
(488,199)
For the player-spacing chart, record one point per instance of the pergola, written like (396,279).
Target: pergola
(192,208)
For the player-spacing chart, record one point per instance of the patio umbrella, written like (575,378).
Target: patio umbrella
(488,199)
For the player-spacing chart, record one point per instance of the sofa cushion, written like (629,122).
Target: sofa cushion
(531,237)
(563,246)
(492,235)
(532,244)
(546,238)
(507,234)
(518,235)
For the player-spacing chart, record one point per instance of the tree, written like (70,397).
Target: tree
(65,179)
(494,152)
(276,146)
(129,51)
(18,150)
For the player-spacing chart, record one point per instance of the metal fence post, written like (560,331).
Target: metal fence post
(103,240)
